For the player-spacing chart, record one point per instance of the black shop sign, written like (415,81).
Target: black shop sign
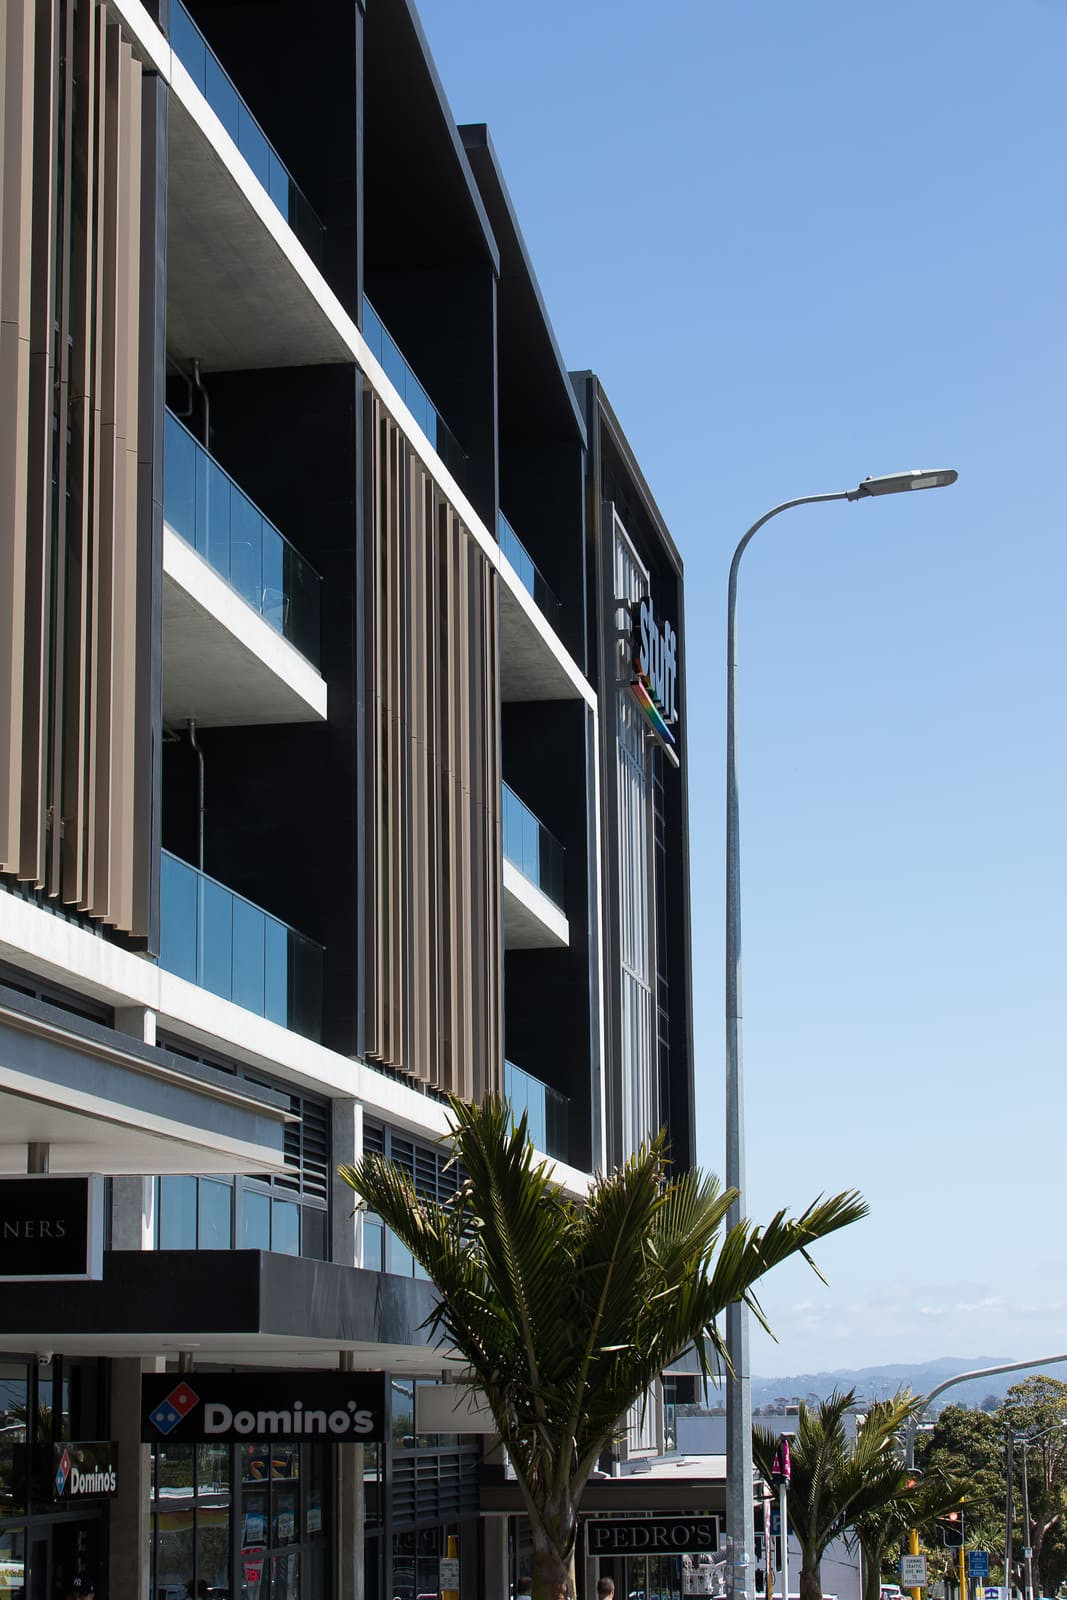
(645,1536)
(304,1407)
(84,1470)
(51,1227)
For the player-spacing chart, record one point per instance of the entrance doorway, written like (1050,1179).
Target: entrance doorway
(65,1561)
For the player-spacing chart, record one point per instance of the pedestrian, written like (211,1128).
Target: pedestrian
(523,1586)
(605,1589)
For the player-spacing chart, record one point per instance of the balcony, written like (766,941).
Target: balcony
(534,917)
(240,605)
(207,72)
(205,505)
(527,570)
(384,347)
(224,943)
(547,1111)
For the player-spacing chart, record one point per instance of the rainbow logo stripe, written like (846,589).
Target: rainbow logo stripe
(647,701)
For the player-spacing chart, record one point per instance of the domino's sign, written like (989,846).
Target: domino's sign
(285,1404)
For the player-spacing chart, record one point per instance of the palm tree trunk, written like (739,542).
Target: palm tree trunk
(872,1575)
(552,1572)
(810,1576)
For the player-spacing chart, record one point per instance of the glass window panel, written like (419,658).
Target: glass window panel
(177,1213)
(179,479)
(217,549)
(403,1421)
(253,145)
(255,1220)
(373,1243)
(249,930)
(276,971)
(396,368)
(213,1551)
(397,1256)
(174,1551)
(212,1469)
(221,96)
(372,329)
(285,1528)
(305,986)
(216,938)
(178,907)
(285,1228)
(246,548)
(14,1400)
(176,1466)
(278,184)
(274,603)
(313,1233)
(216,1215)
(186,39)
(285,1576)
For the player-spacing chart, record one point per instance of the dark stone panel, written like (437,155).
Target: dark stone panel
(547,993)
(443,320)
(542,496)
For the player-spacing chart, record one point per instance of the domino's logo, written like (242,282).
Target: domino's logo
(62,1472)
(174,1408)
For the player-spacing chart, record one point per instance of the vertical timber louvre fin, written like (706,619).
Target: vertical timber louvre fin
(432,958)
(73,809)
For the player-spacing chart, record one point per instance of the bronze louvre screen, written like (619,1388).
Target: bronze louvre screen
(433,934)
(76,550)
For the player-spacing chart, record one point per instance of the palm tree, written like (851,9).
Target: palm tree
(919,1500)
(564,1313)
(835,1481)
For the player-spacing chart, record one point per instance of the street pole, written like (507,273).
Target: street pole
(1028,1549)
(783,1523)
(739,1501)
(1009,1514)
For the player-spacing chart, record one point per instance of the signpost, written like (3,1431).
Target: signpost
(978,1563)
(913,1572)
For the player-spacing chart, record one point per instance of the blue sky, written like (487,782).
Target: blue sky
(801,244)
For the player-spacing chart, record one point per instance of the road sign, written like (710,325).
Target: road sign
(913,1572)
(978,1563)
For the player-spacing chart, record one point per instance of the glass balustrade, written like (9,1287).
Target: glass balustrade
(226,944)
(384,347)
(529,573)
(203,504)
(546,1109)
(215,84)
(529,846)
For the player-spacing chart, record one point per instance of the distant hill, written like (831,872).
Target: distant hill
(878,1383)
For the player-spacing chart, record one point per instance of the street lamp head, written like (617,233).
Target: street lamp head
(897,482)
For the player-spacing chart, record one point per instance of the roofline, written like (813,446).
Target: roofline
(622,444)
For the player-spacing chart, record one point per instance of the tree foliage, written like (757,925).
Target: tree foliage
(564,1313)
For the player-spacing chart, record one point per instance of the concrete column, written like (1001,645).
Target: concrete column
(348,1575)
(346,1129)
(497,1575)
(138,1021)
(129,1520)
(133,1203)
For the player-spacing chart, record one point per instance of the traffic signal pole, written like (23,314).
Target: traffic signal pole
(913,1550)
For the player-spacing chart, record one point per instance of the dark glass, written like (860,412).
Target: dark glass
(276,972)
(255,1220)
(14,1403)
(216,1215)
(403,1418)
(177,1213)
(213,1549)
(177,1464)
(305,986)
(313,1233)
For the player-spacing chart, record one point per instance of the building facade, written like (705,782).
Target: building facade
(342,715)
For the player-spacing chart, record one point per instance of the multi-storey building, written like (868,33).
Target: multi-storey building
(341,714)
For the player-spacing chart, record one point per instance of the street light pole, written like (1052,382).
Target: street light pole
(739,1530)
(1028,1549)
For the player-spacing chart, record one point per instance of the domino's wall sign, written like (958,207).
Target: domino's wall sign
(305,1407)
(84,1470)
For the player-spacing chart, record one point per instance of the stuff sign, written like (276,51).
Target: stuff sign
(84,1471)
(642,1536)
(345,1407)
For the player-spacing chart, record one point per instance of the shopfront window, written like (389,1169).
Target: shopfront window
(269,1498)
(14,1397)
